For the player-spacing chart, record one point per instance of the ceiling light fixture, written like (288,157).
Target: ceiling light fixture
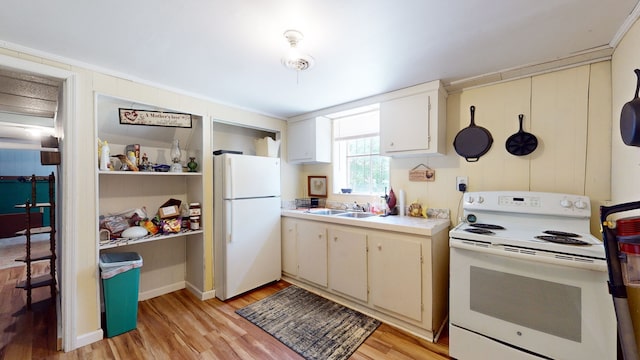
(295,59)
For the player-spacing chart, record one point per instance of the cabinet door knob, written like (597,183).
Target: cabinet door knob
(335,238)
(379,246)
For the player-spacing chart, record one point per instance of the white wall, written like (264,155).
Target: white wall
(568,111)
(625,167)
(81,172)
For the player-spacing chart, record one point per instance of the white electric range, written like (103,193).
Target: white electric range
(528,280)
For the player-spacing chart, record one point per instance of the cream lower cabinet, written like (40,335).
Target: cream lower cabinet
(348,262)
(312,251)
(397,277)
(289,246)
(395,274)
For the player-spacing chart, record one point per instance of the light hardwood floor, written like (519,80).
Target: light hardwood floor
(178,326)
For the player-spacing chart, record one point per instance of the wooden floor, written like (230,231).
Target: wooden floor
(178,326)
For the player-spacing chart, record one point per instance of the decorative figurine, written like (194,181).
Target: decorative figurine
(145,166)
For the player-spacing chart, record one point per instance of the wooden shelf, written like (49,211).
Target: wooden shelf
(36,282)
(48,255)
(108,244)
(37,256)
(38,230)
(149,173)
(22,206)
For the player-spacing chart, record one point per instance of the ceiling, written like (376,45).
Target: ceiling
(230,51)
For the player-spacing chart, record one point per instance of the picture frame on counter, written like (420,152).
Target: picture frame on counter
(317,186)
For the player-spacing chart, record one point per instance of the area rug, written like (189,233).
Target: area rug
(312,326)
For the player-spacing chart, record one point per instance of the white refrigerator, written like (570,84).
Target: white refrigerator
(246,223)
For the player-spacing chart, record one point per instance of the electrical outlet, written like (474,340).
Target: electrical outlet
(462,183)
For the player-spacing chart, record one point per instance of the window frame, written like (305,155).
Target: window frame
(341,168)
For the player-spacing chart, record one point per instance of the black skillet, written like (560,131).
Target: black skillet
(473,141)
(630,118)
(521,143)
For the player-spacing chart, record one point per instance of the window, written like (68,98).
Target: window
(357,163)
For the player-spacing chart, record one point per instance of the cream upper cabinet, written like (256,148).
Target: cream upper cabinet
(348,262)
(309,141)
(413,121)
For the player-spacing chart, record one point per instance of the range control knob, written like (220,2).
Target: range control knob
(470,199)
(580,204)
(480,199)
(566,203)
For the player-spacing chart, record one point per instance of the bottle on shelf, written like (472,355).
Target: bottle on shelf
(175,156)
(105,156)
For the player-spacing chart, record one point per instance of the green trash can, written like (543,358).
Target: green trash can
(120,273)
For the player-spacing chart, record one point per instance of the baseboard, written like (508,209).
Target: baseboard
(206,295)
(161,290)
(88,338)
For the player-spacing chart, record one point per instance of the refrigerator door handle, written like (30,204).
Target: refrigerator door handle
(229,220)
(230,178)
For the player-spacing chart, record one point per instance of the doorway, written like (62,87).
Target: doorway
(45,105)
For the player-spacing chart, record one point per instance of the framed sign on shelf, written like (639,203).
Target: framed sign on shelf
(317,186)
(154,118)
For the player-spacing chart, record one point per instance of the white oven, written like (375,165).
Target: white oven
(515,296)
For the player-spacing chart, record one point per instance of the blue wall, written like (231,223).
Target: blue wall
(22,163)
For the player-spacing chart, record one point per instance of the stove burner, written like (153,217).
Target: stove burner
(487,226)
(480,231)
(561,233)
(562,240)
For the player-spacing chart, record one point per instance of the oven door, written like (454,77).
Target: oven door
(550,310)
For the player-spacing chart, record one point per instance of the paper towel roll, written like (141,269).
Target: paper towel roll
(401,203)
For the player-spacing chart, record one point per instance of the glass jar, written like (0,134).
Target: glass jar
(194,222)
(194,209)
(194,216)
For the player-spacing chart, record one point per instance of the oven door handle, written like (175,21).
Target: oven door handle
(530,255)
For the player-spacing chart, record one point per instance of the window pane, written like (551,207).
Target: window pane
(375,145)
(359,170)
(379,174)
(368,174)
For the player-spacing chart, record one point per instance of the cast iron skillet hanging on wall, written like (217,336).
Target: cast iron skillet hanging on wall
(630,118)
(521,143)
(473,141)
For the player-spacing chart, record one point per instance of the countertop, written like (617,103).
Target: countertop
(404,224)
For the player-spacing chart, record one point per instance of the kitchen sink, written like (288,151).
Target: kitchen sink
(326,212)
(357,215)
